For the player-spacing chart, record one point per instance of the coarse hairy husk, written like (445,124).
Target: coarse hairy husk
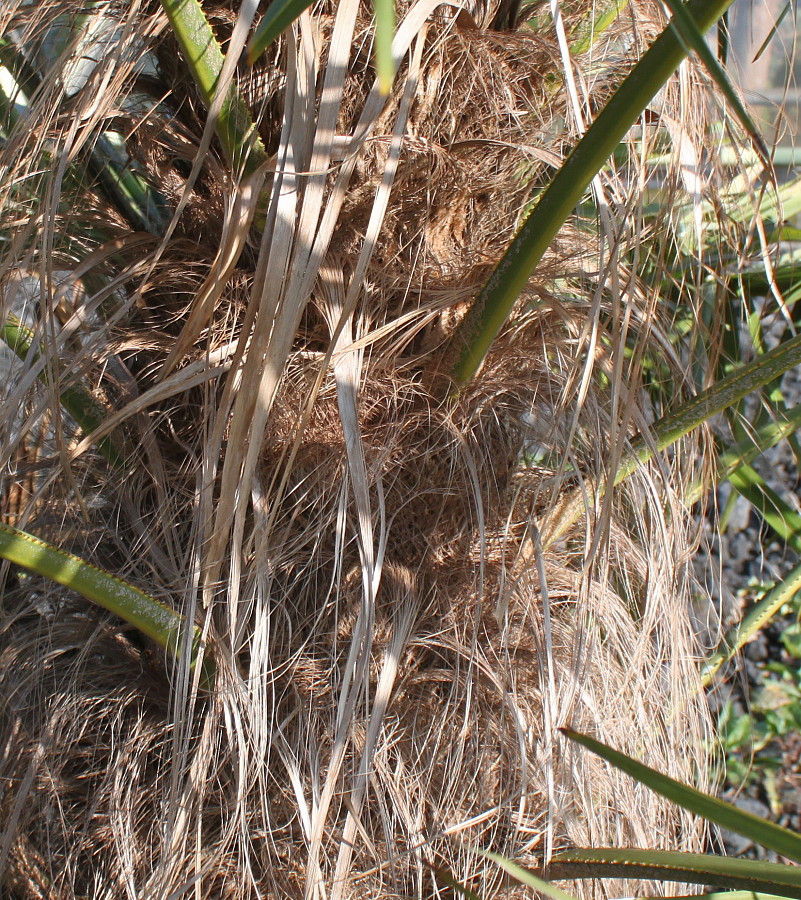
(393,649)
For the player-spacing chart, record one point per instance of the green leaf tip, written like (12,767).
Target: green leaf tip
(526,877)
(279,16)
(762,832)
(384,32)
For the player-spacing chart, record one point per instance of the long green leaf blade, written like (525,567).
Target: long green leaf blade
(138,201)
(682,421)
(141,205)
(384,33)
(747,450)
(494,302)
(754,619)
(691,868)
(235,129)
(774,511)
(154,619)
(79,403)
(774,30)
(524,876)
(690,34)
(720,396)
(762,832)
(279,16)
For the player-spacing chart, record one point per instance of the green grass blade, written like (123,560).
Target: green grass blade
(691,868)
(783,203)
(152,618)
(682,421)
(722,395)
(235,129)
(495,300)
(780,516)
(524,876)
(693,38)
(384,33)
(761,439)
(79,403)
(279,16)
(774,30)
(762,832)
(747,450)
(773,402)
(757,616)
(282,13)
